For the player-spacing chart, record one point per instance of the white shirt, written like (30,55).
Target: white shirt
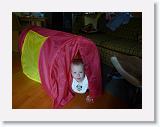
(80,87)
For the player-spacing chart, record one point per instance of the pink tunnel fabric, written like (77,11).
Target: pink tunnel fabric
(55,59)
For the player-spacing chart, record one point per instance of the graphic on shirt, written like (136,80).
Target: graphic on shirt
(79,87)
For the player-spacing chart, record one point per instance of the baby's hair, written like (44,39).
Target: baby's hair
(77,61)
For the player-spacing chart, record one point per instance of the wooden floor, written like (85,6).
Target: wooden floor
(28,94)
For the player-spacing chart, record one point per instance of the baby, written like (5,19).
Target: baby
(80,81)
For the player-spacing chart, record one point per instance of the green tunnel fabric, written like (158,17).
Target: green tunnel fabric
(30,54)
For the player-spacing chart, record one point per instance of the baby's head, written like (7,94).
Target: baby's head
(77,70)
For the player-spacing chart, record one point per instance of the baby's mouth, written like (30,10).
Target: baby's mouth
(78,78)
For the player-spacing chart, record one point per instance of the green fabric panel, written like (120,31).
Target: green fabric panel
(30,54)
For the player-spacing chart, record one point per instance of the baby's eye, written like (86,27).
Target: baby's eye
(74,72)
(80,72)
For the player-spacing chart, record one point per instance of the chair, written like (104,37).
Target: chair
(126,73)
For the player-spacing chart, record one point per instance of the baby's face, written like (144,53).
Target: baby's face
(77,72)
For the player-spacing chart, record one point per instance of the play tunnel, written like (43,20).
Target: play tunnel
(46,57)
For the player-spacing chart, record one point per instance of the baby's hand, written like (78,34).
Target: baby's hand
(89,99)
